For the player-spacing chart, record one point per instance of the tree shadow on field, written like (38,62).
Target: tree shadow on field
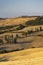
(25,42)
(3,59)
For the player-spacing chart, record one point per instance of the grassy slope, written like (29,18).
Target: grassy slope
(25,57)
(15,21)
(30,28)
(26,42)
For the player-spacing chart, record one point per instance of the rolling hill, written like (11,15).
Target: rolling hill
(15,21)
(20,24)
(28,48)
(25,57)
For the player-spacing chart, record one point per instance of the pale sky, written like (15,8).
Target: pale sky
(12,8)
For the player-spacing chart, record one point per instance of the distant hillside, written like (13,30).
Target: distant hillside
(37,21)
(15,21)
(20,23)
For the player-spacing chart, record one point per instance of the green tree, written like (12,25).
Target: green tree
(24,34)
(15,40)
(40,28)
(30,31)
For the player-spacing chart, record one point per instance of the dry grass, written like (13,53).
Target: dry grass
(15,21)
(25,57)
(31,28)
(33,56)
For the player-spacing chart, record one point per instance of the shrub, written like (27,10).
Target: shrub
(15,40)
(1,40)
(33,47)
(20,27)
(40,28)
(3,51)
(24,34)
(37,21)
(37,29)
(17,36)
(30,31)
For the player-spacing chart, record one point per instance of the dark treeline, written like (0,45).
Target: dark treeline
(38,21)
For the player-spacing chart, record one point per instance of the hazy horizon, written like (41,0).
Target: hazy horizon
(13,8)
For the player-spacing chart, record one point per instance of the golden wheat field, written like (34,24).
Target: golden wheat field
(25,57)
